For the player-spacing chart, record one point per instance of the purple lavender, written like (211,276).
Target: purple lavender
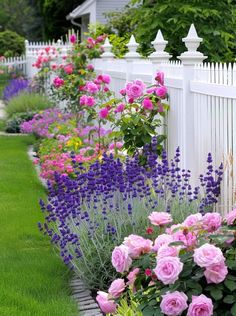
(112,199)
(15,87)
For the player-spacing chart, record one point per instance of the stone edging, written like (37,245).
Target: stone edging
(81,293)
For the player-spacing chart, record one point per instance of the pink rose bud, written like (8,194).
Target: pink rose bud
(73,38)
(103,113)
(147,104)
(122,92)
(160,78)
(83,100)
(120,108)
(90,67)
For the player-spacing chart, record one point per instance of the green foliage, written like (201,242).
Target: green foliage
(27,102)
(215,22)
(125,309)
(13,124)
(11,44)
(118,43)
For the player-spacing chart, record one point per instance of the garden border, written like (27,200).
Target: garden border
(87,306)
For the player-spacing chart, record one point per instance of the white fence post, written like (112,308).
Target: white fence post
(131,56)
(189,59)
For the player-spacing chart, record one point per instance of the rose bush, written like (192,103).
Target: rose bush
(175,278)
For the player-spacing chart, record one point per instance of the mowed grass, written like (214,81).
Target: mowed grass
(33,280)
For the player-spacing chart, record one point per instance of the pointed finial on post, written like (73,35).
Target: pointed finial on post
(192,42)
(132,46)
(159,44)
(107,50)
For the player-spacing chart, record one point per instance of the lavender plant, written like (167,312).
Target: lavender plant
(87,216)
(15,87)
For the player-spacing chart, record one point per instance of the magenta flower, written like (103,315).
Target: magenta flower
(73,38)
(103,113)
(147,104)
(161,92)
(120,108)
(160,78)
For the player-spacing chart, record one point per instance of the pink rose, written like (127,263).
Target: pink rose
(91,87)
(134,91)
(117,145)
(160,78)
(216,273)
(230,218)
(73,38)
(123,92)
(173,304)
(168,269)
(103,113)
(147,104)
(121,260)
(58,82)
(137,245)
(200,306)
(187,237)
(106,78)
(160,218)
(162,240)
(161,92)
(140,83)
(83,100)
(192,219)
(167,251)
(90,101)
(211,221)
(68,69)
(132,276)
(208,255)
(90,67)
(116,288)
(120,108)
(106,305)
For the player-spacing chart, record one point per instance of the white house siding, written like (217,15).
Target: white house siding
(104,6)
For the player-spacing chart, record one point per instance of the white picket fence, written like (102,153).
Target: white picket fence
(202,98)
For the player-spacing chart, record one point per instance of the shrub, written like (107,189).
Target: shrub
(187,270)
(11,44)
(14,123)
(87,216)
(15,87)
(27,102)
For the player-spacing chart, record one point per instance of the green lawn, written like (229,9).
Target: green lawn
(33,280)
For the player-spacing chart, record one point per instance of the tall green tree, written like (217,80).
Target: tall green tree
(21,16)
(214,20)
(54,14)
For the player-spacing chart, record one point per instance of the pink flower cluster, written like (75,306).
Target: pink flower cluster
(45,56)
(58,82)
(176,239)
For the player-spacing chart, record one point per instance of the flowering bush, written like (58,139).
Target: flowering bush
(110,200)
(188,269)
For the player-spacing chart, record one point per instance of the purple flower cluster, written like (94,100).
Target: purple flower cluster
(40,123)
(15,87)
(113,199)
